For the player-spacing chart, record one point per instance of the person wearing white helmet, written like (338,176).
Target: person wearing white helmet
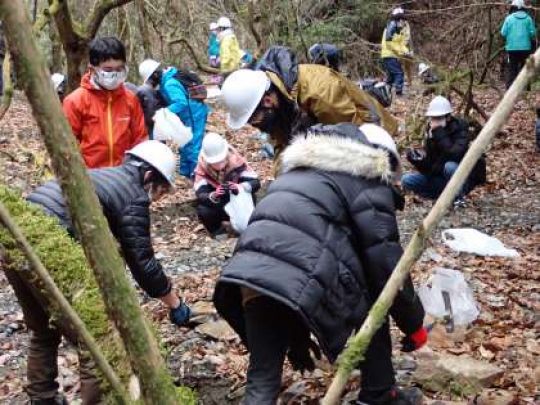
(221,171)
(59,84)
(213,45)
(125,193)
(519,33)
(175,88)
(148,92)
(394,48)
(446,142)
(230,53)
(267,98)
(318,250)
(426,74)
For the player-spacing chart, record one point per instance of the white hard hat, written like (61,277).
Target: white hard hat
(146,68)
(439,107)
(158,155)
(169,127)
(57,79)
(398,11)
(518,3)
(214,148)
(422,68)
(379,136)
(213,26)
(241,93)
(224,22)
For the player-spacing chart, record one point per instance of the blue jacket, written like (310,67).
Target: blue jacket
(193,113)
(519,31)
(213,45)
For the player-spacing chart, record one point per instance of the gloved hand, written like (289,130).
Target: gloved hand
(180,315)
(300,355)
(415,341)
(233,187)
(217,196)
(415,155)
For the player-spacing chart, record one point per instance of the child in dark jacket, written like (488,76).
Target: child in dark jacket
(316,254)
(220,171)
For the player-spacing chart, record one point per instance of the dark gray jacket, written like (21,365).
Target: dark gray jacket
(323,241)
(126,206)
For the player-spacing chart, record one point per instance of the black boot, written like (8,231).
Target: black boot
(394,396)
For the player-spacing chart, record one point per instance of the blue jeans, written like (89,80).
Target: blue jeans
(431,186)
(394,73)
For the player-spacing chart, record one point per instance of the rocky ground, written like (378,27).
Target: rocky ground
(500,350)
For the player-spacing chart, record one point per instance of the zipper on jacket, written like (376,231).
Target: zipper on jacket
(110,131)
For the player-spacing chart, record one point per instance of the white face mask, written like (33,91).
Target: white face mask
(110,80)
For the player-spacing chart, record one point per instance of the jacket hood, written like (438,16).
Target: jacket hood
(282,62)
(334,152)
(168,73)
(520,14)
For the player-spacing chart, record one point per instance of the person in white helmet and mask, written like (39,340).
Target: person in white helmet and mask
(221,171)
(230,54)
(148,92)
(126,193)
(283,96)
(106,119)
(445,144)
(318,250)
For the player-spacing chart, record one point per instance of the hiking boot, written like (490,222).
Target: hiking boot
(394,396)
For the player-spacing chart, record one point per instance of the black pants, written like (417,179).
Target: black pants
(211,217)
(516,61)
(267,326)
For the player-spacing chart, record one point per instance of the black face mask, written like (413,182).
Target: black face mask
(269,120)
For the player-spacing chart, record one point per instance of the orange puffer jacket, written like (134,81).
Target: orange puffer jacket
(106,123)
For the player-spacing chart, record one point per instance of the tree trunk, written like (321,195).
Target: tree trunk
(358,345)
(57,64)
(100,247)
(143,28)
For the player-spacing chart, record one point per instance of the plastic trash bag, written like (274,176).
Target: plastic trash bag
(470,240)
(239,208)
(464,308)
(169,127)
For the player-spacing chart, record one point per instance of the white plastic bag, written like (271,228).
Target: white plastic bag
(464,308)
(472,241)
(169,127)
(239,208)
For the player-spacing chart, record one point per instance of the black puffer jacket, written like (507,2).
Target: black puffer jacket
(449,144)
(323,241)
(126,206)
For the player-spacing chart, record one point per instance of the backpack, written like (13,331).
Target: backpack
(193,84)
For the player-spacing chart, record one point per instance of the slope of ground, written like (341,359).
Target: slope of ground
(212,359)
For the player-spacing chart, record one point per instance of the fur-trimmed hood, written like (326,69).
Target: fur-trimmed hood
(336,153)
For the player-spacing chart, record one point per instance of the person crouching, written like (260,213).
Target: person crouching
(315,256)
(220,171)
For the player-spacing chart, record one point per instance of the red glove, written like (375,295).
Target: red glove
(415,341)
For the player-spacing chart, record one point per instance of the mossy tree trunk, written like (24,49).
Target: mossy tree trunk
(358,344)
(121,302)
